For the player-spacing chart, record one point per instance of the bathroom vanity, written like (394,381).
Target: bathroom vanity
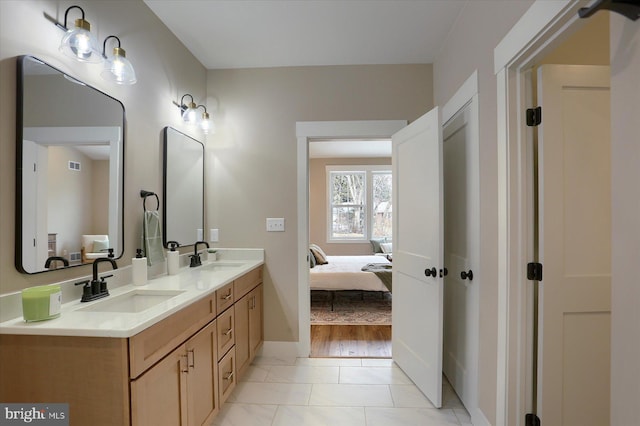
(167,353)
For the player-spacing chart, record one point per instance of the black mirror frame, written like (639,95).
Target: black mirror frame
(19,152)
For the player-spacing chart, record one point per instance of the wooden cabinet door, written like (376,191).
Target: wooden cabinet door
(256,333)
(242,308)
(226,331)
(202,383)
(159,396)
(226,375)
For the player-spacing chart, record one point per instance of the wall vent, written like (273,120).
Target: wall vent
(74,165)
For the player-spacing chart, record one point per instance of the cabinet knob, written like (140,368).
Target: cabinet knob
(444,272)
(464,275)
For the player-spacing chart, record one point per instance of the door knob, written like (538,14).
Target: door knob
(444,272)
(464,275)
(431,272)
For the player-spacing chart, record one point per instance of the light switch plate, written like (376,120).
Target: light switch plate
(275,224)
(214,235)
(199,233)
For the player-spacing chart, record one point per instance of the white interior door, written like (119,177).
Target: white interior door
(574,245)
(461,253)
(34,209)
(417,253)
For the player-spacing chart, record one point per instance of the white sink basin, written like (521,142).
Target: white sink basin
(133,301)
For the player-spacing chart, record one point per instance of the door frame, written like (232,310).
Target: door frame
(307,131)
(530,39)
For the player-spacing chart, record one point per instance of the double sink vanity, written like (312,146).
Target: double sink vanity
(166,353)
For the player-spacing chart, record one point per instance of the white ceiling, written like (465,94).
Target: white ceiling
(275,33)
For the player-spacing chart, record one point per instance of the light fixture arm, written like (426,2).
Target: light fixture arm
(184,106)
(104,45)
(66,15)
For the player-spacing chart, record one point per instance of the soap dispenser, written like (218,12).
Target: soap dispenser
(139,268)
(173,258)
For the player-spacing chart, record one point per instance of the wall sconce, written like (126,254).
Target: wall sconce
(206,124)
(117,68)
(190,115)
(79,43)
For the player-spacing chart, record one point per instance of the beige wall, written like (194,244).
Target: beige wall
(165,71)
(478,29)
(625,156)
(253,155)
(318,205)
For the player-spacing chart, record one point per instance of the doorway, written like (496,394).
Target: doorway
(350,209)
(548,172)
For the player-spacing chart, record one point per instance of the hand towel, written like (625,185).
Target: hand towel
(152,237)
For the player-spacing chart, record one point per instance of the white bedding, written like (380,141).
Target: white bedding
(345,273)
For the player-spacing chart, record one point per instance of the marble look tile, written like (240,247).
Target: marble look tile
(410,416)
(245,415)
(303,374)
(319,416)
(271,393)
(373,376)
(449,397)
(256,373)
(269,360)
(463,416)
(330,362)
(351,395)
(377,362)
(409,396)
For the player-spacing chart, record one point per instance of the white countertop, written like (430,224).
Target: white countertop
(196,283)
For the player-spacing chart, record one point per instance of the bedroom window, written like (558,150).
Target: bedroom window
(359,203)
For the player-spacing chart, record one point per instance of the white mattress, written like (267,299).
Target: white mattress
(345,273)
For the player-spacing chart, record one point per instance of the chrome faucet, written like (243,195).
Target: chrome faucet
(98,286)
(195,257)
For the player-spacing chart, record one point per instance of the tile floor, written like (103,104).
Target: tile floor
(335,392)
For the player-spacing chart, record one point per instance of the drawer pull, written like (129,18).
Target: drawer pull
(229,376)
(228,332)
(183,364)
(227,297)
(191,359)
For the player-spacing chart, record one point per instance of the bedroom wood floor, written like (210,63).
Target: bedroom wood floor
(351,341)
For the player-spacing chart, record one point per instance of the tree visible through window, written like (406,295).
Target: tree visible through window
(359,204)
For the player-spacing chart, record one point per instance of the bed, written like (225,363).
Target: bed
(345,273)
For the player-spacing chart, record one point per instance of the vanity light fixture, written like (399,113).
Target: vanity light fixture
(191,115)
(117,68)
(206,124)
(79,43)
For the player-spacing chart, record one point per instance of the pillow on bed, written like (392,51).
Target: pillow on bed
(386,247)
(375,244)
(321,257)
(312,259)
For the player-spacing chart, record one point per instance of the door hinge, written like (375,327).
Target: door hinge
(534,116)
(534,271)
(531,420)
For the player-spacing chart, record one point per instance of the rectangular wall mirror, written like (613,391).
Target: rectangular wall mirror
(69,170)
(183,201)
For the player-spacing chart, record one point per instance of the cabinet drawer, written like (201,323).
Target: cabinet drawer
(224,297)
(149,346)
(248,281)
(226,332)
(227,375)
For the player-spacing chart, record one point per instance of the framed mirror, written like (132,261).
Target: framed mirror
(183,201)
(69,170)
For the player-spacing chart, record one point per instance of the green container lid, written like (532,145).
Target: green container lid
(41,302)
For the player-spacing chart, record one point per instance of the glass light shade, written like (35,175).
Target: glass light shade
(207,125)
(118,69)
(80,44)
(190,115)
